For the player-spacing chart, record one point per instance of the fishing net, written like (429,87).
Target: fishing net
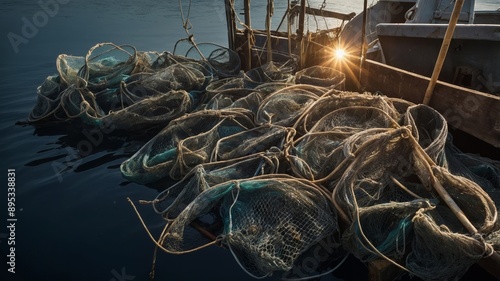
(222,85)
(186,142)
(267,221)
(259,56)
(223,61)
(387,227)
(268,72)
(237,98)
(48,99)
(172,201)
(482,170)
(440,253)
(186,76)
(268,161)
(68,68)
(260,139)
(384,214)
(270,87)
(107,64)
(284,106)
(150,114)
(430,129)
(334,100)
(318,154)
(321,76)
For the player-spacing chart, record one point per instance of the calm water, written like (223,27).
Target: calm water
(74,222)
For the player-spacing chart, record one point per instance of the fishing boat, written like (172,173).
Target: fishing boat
(398,48)
(408,35)
(391,48)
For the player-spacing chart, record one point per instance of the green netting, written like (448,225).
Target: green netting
(183,144)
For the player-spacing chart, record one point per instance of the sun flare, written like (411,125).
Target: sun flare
(339,54)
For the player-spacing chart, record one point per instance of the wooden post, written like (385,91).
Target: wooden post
(300,33)
(302,16)
(248,23)
(444,50)
(289,28)
(363,42)
(268,30)
(231,24)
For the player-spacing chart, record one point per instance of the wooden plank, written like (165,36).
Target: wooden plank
(325,13)
(491,264)
(382,270)
(473,112)
(329,14)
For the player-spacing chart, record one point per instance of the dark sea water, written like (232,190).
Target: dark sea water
(73,219)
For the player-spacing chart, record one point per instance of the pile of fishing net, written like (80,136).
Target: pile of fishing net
(132,92)
(284,168)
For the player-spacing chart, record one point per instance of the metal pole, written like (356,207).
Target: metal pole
(444,50)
